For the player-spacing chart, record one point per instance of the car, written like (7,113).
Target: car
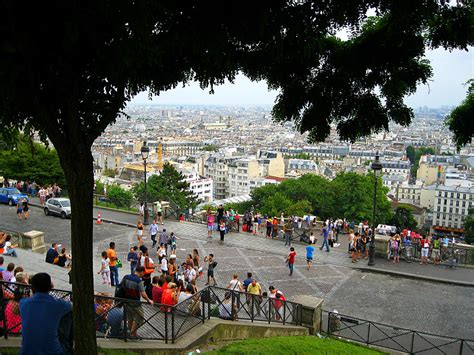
(11,195)
(58,206)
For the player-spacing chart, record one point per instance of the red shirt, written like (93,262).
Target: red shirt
(167,297)
(291,257)
(157,293)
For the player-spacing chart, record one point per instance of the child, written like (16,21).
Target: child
(105,269)
(291,260)
(161,252)
(164,265)
(210,268)
(173,243)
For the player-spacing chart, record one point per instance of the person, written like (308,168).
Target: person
(159,211)
(105,269)
(9,248)
(254,291)
(153,232)
(435,252)
(161,252)
(164,265)
(169,297)
(2,260)
(275,227)
(64,259)
(210,223)
(226,311)
(8,275)
(149,266)
(220,214)
(222,230)
(52,255)
(394,248)
(186,294)
(312,238)
(172,242)
(12,312)
(309,255)
(157,291)
(19,209)
(247,281)
(41,316)
(133,289)
(197,262)
(26,208)
(353,246)
(325,234)
(288,229)
(269,225)
(114,274)
(172,267)
(256,223)
(425,248)
(277,297)
(141,209)
(42,195)
(164,238)
(235,284)
(363,245)
(210,268)
(132,258)
(291,260)
(140,233)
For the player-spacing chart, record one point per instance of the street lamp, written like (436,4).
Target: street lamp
(377,168)
(145,151)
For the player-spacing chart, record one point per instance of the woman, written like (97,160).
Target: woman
(42,195)
(26,208)
(64,258)
(222,230)
(19,209)
(269,223)
(197,262)
(353,246)
(235,284)
(12,312)
(169,297)
(139,233)
(210,223)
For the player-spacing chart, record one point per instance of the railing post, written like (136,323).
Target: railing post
(368,335)
(125,323)
(251,308)
(172,325)
(166,326)
(270,310)
(412,342)
(462,347)
(203,311)
(329,323)
(208,290)
(284,312)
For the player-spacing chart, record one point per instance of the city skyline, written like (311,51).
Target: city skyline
(450,71)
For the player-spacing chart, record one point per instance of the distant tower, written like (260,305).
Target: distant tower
(159,152)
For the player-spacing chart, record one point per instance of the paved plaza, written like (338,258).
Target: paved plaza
(432,307)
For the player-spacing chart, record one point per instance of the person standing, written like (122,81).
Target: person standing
(159,212)
(256,223)
(425,248)
(325,234)
(435,251)
(291,260)
(19,209)
(164,237)
(42,195)
(153,232)
(210,223)
(112,255)
(254,291)
(220,214)
(288,229)
(132,258)
(40,318)
(309,255)
(211,265)
(269,224)
(164,265)
(105,269)
(222,230)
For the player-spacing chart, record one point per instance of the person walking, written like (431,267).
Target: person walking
(325,234)
(211,265)
(139,233)
(211,222)
(19,209)
(132,258)
(164,239)
(26,208)
(309,255)
(42,195)
(291,260)
(112,255)
(105,269)
(153,232)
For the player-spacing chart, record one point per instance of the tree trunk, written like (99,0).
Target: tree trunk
(78,168)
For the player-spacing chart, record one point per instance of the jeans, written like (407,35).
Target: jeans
(287,238)
(114,276)
(132,268)
(325,243)
(11,252)
(153,239)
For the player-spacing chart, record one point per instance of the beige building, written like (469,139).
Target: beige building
(428,173)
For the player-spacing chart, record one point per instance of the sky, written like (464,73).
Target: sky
(450,71)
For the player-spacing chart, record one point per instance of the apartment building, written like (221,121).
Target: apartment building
(451,205)
(201,187)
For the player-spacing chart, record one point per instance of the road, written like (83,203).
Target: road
(426,306)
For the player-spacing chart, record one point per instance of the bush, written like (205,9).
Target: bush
(119,196)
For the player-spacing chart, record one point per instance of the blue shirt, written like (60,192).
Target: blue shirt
(446,241)
(309,251)
(40,317)
(326,232)
(153,229)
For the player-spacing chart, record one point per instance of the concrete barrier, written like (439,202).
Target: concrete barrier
(311,312)
(33,240)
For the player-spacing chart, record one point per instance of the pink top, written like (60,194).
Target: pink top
(13,320)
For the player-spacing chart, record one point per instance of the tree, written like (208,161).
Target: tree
(469,227)
(299,208)
(403,218)
(414,154)
(169,185)
(110,173)
(68,69)
(210,148)
(119,196)
(460,120)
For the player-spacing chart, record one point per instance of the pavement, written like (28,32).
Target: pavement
(390,297)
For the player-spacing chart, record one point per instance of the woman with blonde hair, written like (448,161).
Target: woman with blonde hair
(139,232)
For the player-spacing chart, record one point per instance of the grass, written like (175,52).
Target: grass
(112,206)
(294,345)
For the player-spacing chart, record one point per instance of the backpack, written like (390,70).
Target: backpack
(120,290)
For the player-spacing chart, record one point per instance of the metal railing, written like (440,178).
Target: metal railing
(126,319)
(452,255)
(391,337)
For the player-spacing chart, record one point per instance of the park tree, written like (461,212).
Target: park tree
(68,70)
(460,120)
(403,218)
(469,227)
(119,196)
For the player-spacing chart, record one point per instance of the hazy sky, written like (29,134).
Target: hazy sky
(451,70)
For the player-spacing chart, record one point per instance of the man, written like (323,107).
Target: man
(40,317)
(153,232)
(164,237)
(309,255)
(132,258)
(112,255)
(288,229)
(435,251)
(247,281)
(254,291)
(276,297)
(159,212)
(425,248)
(325,234)
(291,260)
(220,213)
(132,288)
(190,274)
(52,255)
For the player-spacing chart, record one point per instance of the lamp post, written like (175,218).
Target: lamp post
(145,151)
(377,168)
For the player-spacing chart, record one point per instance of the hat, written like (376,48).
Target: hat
(172,256)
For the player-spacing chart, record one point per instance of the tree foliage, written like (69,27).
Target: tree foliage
(460,120)
(169,185)
(210,148)
(119,196)
(414,155)
(110,173)
(26,160)
(469,227)
(403,218)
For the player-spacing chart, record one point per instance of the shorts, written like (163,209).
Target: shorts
(210,273)
(134,313)
(424,252)
(210,228)
(18,211)
(291,266)
(308,259)
(159,214)
(435,253)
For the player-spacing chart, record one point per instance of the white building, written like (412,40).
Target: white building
(201,187)
(451,205)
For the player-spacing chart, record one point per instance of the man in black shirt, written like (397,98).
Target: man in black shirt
(220,214)
(52,256)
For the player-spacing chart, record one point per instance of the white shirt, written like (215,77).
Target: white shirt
(312,238)
(190,274)
(183,296)
(106,264)
(234,285)
(164,265)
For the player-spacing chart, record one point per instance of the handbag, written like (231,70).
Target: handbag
(118,263)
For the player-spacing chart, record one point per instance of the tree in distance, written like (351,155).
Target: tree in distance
(68,70)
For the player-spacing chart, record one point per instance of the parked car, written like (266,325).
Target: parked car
(11,195)
(385,229)
(58,206)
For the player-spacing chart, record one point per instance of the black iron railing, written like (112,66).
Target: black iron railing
(391,337)
(127,319)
